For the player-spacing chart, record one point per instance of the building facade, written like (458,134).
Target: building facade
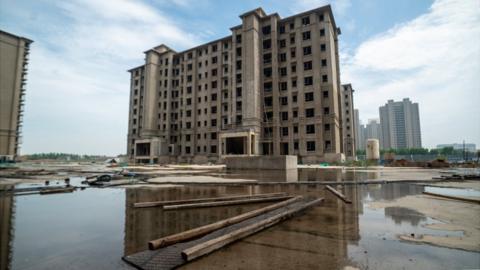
(348,122)
(373,130)
(14,52)
(400,123)
(270,88)
(359,132)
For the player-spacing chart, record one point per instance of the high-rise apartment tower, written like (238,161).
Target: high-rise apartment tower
(270,88)
(400,123)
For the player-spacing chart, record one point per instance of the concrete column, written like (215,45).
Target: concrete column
(150,96)
(251,83)
(224,146)
(249,144)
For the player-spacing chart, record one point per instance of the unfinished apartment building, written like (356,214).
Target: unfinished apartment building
(270,88)
(14,51)
(348,122)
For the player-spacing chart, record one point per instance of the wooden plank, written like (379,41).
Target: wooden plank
(217,243)
(58,190)
(113,183)
(224,203)
(226,198)
(193,233)
(471,200)
(338,194)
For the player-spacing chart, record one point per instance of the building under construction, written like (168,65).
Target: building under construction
(14,51)
(272,87)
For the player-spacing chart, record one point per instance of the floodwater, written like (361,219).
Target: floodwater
(94,228)
(465,192)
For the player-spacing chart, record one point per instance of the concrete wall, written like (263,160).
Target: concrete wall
(261,162)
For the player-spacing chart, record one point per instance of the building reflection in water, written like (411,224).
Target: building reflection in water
(7,214)
(295,175)
(320,237)
(393,191)
(261,175)
(402,214)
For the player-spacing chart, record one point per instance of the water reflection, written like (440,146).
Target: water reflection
(94,228)
(402,214)
(145,224)
(319,237)
(393,191)
(295,175)
(7,212)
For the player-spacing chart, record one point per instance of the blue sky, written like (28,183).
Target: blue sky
(78,87)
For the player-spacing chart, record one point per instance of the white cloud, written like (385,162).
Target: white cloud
(78,85)
(339,6)
(433,59)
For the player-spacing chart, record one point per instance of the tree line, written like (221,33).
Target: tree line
(62,156)
(446,151)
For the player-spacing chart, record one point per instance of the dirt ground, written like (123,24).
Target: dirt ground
(452,216)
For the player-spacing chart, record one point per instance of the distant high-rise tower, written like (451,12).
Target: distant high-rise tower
(359,132)
(373,130)
(348,121)
(400,125)
(13,75)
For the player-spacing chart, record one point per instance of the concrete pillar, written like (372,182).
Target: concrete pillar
(224,146)
(150,94)
(251,83)
(249,144)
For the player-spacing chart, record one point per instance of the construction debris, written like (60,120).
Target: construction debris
(224,203)
(227,198)
(338,194)
(216,243)
(173,256)
(190,234)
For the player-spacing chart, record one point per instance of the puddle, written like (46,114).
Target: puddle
(461,192)
(94,228)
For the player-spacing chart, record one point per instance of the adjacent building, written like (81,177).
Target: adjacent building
(272,87)
(373,130)
(359,132)
(348,122)
(14,52)
(400,123)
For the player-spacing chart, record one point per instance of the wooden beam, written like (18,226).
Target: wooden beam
(216,243)
(58,190)
(193,233)
(338,194)
(227,198)
(471,200)
(224,203)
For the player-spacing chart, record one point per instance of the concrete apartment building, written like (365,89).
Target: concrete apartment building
(272,87)
(348,122)
(14,52)
(360,139)
(373,130)
(400,123)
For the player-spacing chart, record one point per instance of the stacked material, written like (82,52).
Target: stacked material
(172,251)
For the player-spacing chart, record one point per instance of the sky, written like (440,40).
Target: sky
(78,84)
